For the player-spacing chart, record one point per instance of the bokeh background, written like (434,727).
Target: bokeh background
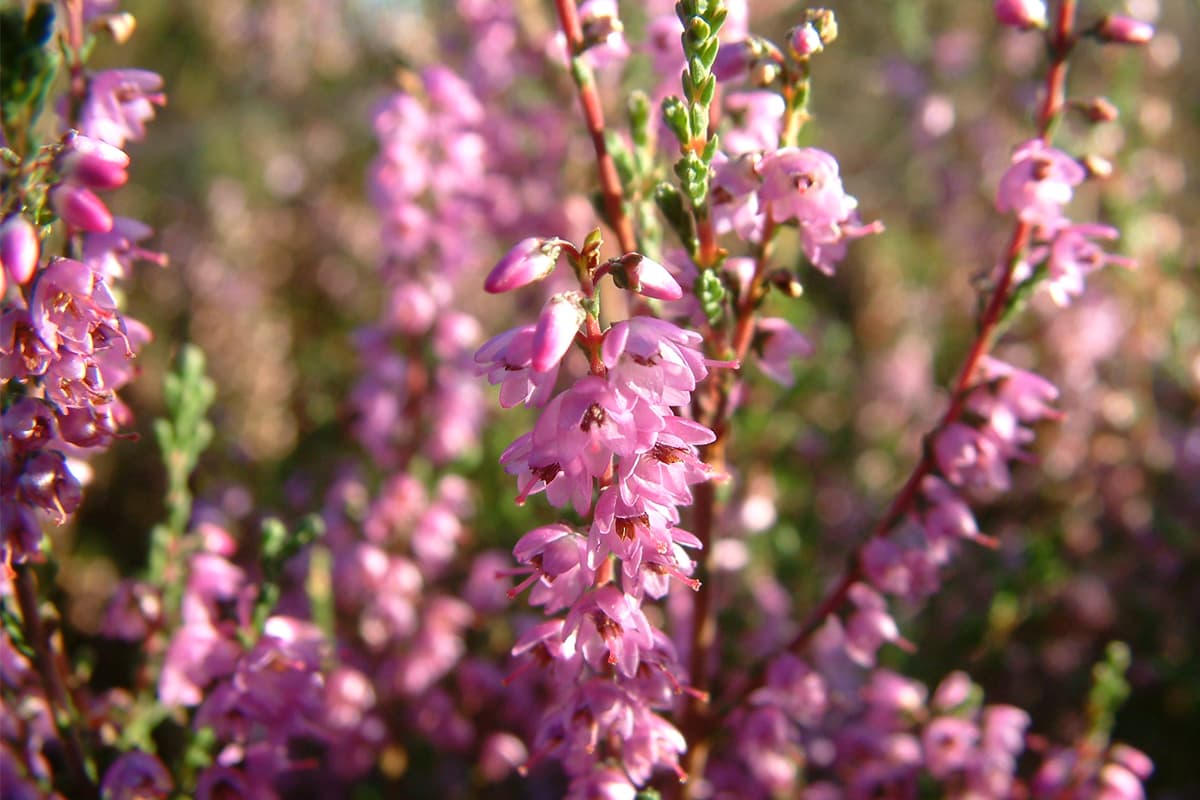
(253,177)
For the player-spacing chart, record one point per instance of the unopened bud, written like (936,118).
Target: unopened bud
(648,277)
(529,261)
(556,328)
(93,163)
(1097,167)
(80,207)
(1117,29)
(1023,14)
(18,249)
(804,41)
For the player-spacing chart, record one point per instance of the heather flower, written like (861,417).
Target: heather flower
(1119,29)
(118,104)
(555,330)
(530,260)
(92,163)
(111,254)
(47,483)
(778,344)
(949,745)
(804,41)
(507,360)
(758,120)
(80,207)
(69,303)
(1074,255)
(803,184)
(19,250)
(1039,183)
(136,775)
(649,278)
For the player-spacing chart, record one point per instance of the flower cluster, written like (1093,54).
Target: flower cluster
(611,447)
(65,347)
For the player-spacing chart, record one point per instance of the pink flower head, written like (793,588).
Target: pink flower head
(507,360)
(758,120)
(654,359)
(968,457)
(778,344)
(530,260)
(1039,183)
(119,102)
(555,331)
(603,33)
(111,254)
(1023,14)
(19,250)
(735,199)
(1074,255)
(803,184)
(609,628)
(949,744)
(69,303)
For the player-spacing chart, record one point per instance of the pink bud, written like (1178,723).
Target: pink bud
(804,40)
(81,208)
(18,248)
(649,278)
(556,328)
(1124,30)
(528,262)
(93,163)
(1023,14)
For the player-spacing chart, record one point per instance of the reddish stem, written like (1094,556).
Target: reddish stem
(593,114)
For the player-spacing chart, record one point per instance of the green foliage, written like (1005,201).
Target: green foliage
(27,66)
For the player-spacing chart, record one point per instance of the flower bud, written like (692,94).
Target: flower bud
(18,249)
(824,22)
(1023,14)
(803,41)
(529,261)
(1098,167)
(80,207)
(93,163)
(120,26)
(1117,29)
(556,328)
(1099,109)
(649,278)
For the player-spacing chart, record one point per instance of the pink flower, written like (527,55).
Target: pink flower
(1124,30)
(778,344)
(19,250)
(758,120)
(649,278)
(119,103)
(530,260)
(1074,255)
(1039,183)
(1023,14)
(80,207)
(507,360)
(555,331)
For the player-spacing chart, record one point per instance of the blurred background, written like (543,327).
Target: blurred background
(253,177)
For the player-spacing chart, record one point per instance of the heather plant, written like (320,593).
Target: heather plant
(666,556)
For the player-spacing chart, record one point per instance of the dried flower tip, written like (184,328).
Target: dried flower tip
(1023,14)
(529,261)
(18,249)
(1098,109)
(786,281)
(1117,29)
(120,26)
(556,328)
(1097,167)
(824,22)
